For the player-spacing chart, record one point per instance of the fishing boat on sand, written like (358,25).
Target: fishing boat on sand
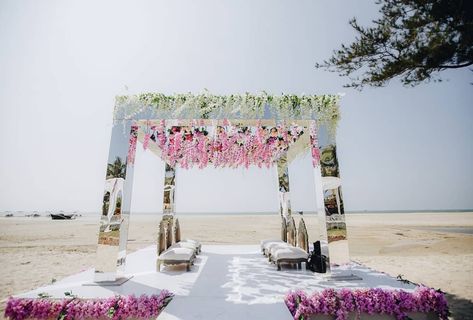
(63,216)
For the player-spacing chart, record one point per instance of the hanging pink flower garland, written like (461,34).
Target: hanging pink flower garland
(227,146)
(132,145)
(147,136)
(314,143)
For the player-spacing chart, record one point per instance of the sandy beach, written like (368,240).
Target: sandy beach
(435,249)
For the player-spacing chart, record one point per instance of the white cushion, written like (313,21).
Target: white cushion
(289,253)
(184,254)
(276,246)
(184,245)
(267,246)
(265,242)
(194,242)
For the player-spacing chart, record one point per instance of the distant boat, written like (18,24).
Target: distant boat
(62,216)
(35,214)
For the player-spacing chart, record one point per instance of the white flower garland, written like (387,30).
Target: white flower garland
(323,108)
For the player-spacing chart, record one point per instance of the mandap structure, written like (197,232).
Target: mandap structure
(187,130)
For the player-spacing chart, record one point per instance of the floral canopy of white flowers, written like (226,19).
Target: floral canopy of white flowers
(322,108)
(231,142)
(238,133)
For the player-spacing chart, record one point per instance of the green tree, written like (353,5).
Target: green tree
(413,40)
(117,169)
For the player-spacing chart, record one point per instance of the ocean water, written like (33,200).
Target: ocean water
(464,230)
(295,212)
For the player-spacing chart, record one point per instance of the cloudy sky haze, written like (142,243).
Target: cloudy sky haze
(63,62)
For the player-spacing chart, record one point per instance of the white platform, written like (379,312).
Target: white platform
(226,282)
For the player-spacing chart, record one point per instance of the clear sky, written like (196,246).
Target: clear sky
(62,63)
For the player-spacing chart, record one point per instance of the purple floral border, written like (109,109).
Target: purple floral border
(339,303)
(118,307)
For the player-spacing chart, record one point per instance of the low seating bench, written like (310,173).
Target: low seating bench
(267,244)
(176,256)
(182,252)
(281,252)
(276,246)
(289,255)
(194,243)
(187,245)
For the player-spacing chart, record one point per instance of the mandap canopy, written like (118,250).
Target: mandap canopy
(239,130)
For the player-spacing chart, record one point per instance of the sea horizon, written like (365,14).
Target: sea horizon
(20,213)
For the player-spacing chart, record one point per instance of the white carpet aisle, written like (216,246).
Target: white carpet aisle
(226,282)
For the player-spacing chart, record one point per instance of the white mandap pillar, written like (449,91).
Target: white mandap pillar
(283,183)
(113,230)
(168,206)
(169,190)
(288,227)
(330,209)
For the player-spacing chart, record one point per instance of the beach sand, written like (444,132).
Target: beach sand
(422,247)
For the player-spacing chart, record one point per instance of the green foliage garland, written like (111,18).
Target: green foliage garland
(323,108)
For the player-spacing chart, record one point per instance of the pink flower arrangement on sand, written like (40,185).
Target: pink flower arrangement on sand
(227,146)
(339,303)
(118,307)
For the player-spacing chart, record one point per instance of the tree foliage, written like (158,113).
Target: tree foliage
(413,40)
(117,169)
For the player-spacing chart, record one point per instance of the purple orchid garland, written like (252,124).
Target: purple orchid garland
(229,146)
(118,307)
(132,145)
(339,303)
(314,141)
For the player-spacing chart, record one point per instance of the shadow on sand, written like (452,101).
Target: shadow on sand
(460,308)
